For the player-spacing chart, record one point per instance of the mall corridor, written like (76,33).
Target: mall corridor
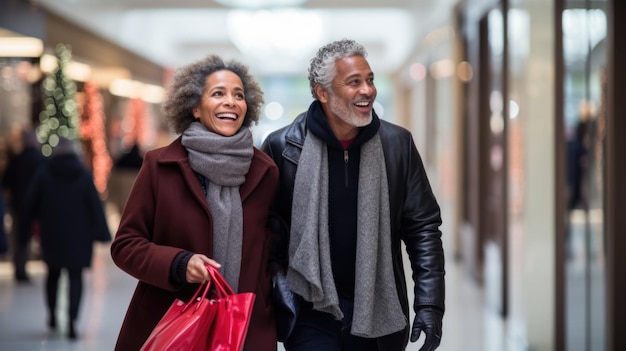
(515,107)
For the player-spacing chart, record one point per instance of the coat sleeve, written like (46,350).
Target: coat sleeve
(133,248)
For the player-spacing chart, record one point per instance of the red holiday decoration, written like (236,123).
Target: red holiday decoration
(92,131)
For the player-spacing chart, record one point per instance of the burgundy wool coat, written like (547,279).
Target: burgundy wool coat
(167,213)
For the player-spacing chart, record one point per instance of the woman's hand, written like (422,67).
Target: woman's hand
(196,268)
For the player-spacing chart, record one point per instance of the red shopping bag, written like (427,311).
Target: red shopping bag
(231,315)
(184,326)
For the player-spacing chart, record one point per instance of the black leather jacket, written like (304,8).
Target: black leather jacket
(415,214)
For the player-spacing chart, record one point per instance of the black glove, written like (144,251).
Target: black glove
(429,320)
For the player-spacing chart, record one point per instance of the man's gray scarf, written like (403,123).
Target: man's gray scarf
(377,310)
(224,162)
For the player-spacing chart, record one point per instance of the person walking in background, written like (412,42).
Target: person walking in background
(352,187)
(4,245)
(20,170)
(64,199)
(202,200)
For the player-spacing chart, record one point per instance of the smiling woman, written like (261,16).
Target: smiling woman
(201,200)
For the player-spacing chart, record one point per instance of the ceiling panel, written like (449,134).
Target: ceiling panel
(175,32)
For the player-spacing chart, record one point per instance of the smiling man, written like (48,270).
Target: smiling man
(352,189)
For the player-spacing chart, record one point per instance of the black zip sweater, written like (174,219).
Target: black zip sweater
(343,184)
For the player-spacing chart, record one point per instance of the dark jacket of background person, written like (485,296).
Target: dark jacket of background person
(63,197)
(18,174)
(130,160)
(20,171)
(414,212)
(4,246)
(167,213)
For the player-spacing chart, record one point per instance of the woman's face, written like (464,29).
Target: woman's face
(223,106)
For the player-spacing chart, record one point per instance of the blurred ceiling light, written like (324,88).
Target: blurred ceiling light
(274,110)
(442,69)
(20,47)
(464,71)
(286,34)
(103,76)
(133,89)
(80,72)
(417,71)
(514,109)
(153,93)
(125,88)
(256,4)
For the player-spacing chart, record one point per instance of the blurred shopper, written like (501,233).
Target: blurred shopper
(577,166)
(203,199)
(353,187)
(20,170)
(4,245)
(123,176)
(64,199)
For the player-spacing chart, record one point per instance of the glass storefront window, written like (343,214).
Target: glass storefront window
(584,51)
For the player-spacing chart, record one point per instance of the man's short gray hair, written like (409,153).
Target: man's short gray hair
(322,69)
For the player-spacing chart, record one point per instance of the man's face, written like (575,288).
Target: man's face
(352,93)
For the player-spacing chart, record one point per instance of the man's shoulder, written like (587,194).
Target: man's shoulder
(389,129)
(277,132)
(295,129)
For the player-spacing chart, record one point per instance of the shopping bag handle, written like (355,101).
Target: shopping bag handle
(196,296)
(221,285)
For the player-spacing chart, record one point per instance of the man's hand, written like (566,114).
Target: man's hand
(429,320)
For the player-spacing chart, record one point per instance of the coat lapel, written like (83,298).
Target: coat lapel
(258,168)
(176,153)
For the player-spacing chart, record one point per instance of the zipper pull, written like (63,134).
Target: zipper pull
(345,156)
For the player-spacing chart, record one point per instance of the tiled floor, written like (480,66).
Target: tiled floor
(23,317)
(107,291)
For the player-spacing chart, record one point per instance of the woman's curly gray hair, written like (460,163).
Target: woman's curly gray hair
(187,85)
(322,69)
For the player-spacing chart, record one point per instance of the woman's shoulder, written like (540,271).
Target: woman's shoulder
(174,151)
(261,158)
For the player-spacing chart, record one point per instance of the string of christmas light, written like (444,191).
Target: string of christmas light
(92,132)
(136,124)
(60,115)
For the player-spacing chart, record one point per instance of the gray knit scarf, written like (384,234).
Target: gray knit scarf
(377,309)
(224,162)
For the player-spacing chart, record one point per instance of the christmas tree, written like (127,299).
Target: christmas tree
(60,115)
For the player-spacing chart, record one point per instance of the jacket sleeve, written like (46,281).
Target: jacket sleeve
(100,226)
(30,206)
(421,219)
